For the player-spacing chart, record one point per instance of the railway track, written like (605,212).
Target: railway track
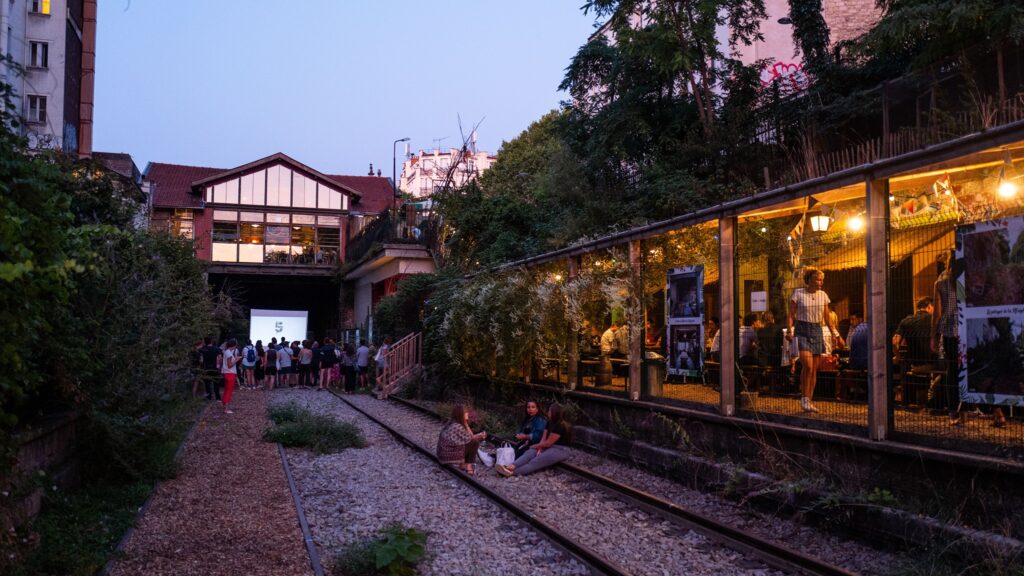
(751,546)
(583,553)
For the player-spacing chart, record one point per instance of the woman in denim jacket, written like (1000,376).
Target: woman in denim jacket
(531,430)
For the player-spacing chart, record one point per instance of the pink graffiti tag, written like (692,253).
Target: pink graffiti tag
(789,75)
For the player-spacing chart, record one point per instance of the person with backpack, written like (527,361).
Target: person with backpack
(229,369)
(270,364)
(249,365)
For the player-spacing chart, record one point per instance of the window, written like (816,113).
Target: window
(37,108)
(250,216)
(278,234)
(182,224)
(252,234)
(225,215)
(253,186)
(279,186)
(225,232)
(39,55)
(303,219)
(330,198)
(39,7)
(328,237)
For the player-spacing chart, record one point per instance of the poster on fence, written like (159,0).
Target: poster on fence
(685,320)
(685,289)
(990,302)
(686,349)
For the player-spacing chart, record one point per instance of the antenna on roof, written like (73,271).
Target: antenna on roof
(437,142)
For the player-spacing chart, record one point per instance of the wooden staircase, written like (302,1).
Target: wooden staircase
(403,362)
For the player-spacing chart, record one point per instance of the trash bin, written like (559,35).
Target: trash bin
(656,371)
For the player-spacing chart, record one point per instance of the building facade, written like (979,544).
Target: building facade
(427,172)
(54,41)
(274,232)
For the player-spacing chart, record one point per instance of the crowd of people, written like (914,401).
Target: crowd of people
(282,363)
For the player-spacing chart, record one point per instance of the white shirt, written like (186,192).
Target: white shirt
(224,367)
(810,307)
(245,352)
(608,341)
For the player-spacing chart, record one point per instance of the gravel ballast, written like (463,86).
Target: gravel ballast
(536,488)
(349,496)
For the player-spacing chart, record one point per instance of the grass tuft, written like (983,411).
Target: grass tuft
(297,427)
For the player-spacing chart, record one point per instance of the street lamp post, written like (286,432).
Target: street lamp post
(394,177)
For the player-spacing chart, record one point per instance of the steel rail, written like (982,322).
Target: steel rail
(581,552)
(772,553)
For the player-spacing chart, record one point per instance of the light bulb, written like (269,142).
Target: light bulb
(1007,189)
(856,224)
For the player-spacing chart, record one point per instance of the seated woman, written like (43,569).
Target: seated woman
(552,449)
(457,443)
(531,430)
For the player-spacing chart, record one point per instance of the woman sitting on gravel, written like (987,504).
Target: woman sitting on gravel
(551,450)
(457,443)
(531,430)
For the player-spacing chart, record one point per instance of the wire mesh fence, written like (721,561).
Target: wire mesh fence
(681,309)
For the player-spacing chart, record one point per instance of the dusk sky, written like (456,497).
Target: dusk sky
(331,83)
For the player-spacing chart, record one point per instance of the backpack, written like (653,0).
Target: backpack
(271,354)
(250,355)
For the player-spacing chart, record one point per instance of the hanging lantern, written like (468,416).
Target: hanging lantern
(820,222)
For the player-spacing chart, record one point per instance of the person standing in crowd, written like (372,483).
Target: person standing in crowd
(348,367)
(362,363)
(249,365)
(314,366)
(808,309)
(552,449)
(284,365)
(327,361)
(305,364)
(211,368)
(457,444)
(229,363)
(270,364)
(261,362)
(381,359)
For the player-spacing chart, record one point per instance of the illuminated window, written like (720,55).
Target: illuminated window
(182,225)
(39,6)
(252,234)
(39,55)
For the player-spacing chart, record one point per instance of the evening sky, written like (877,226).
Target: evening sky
(331,83)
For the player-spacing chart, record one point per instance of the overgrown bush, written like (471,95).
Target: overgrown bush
(394,552)
(298,427)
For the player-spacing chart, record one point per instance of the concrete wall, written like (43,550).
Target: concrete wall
(364,286)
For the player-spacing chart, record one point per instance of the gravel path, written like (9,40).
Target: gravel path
(640,543)
(349,496)
(229,510)
(593,527)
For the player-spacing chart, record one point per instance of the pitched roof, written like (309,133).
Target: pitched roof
(172,184)
(377,193)
(119,162)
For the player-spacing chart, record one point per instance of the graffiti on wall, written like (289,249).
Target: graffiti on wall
(788,76)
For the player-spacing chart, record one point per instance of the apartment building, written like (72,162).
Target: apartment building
(47,56)
(427,172)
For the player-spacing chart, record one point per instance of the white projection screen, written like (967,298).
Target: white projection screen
(287,324)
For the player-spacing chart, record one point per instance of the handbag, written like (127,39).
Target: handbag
(484,457)
(506,454)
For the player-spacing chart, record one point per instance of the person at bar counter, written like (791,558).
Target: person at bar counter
(912,340)
(808,309)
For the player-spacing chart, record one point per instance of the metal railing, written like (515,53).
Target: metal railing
(402,360)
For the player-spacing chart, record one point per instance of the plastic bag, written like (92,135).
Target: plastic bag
(506,454)
(484,457)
